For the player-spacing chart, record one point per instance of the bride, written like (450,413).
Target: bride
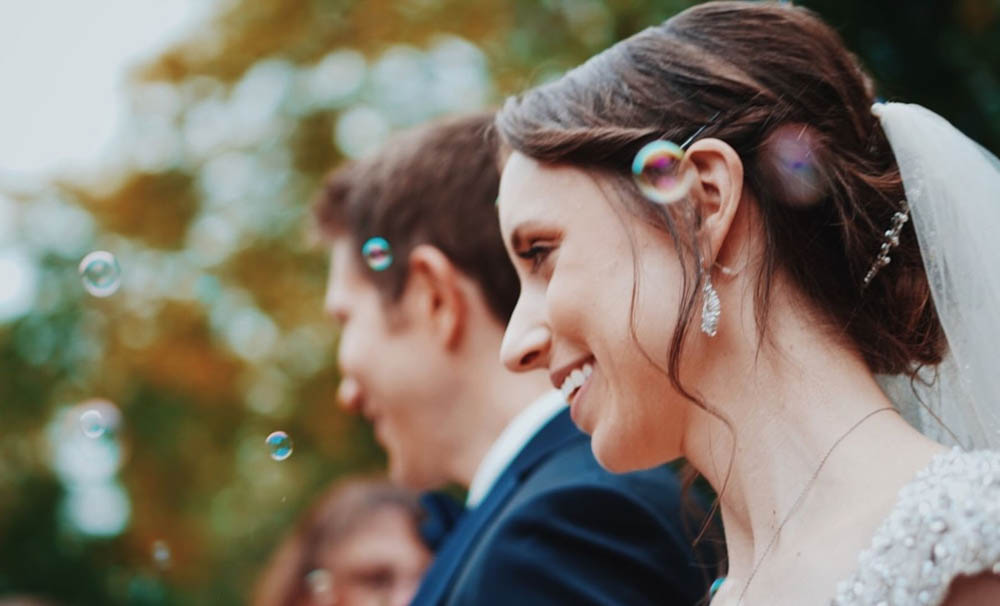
(721,243)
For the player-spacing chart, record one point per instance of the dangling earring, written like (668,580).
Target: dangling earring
(711,307)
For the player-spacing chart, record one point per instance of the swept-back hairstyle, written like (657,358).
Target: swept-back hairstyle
(749,72)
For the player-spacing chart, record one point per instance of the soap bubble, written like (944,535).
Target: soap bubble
(320,583)
(657,172)
(377,253)
(92,423)
(100,273)
(790,162)
(161,554)
(280,445)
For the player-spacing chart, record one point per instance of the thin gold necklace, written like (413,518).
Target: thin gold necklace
(798,500)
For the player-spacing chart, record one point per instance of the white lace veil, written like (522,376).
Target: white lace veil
(953,190)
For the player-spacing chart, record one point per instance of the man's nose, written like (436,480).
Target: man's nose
(349,394)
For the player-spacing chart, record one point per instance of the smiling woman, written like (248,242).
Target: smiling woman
(792,205)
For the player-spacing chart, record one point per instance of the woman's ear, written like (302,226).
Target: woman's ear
(434,296)
(717,190)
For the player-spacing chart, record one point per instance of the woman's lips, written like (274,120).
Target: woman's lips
(575,379)
(576,398)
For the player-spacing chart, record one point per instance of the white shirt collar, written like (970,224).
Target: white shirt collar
(514,437)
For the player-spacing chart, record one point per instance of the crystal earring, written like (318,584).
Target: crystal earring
(711,308)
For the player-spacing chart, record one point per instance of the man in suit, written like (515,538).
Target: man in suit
(422,289)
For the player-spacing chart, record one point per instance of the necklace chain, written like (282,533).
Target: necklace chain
(798,500)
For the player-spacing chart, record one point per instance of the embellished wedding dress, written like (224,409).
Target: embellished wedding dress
(945,524)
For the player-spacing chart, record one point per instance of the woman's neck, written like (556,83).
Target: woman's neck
(804,436)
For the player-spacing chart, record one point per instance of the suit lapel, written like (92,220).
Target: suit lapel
(549,439)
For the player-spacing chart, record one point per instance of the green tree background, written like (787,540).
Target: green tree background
(216,337)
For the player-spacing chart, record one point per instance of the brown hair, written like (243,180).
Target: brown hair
(435,185)
(336,514)
(745,71)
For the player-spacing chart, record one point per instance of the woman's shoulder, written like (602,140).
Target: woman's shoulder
(945,524)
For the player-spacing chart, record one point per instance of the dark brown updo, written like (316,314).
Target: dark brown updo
(750,72)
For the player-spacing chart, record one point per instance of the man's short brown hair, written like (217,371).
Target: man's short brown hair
(436,184)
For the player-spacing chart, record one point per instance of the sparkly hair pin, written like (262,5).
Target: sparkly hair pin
(890,241)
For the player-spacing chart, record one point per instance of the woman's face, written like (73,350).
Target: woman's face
(579,255)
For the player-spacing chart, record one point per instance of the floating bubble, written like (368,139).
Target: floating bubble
(161,554)
(100,273)
(791,155)
(280,445)
(377,253)
(656,170)
(96,418)
(320,583)
(92,423)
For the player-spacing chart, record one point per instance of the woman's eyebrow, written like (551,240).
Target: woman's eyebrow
(517,236)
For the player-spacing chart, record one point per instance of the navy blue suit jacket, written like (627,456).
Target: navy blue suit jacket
(557,528)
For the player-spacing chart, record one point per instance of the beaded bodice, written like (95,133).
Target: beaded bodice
(946,523)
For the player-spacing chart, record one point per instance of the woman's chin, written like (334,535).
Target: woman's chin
(619,452)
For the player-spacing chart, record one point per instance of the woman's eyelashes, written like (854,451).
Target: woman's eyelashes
(536,254)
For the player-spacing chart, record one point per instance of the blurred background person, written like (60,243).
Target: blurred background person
(359,545)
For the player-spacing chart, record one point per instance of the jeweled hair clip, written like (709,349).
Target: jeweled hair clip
(890,242)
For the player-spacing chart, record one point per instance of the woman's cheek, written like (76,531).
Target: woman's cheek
(560,303)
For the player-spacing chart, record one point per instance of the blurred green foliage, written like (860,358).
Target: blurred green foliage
(216,337)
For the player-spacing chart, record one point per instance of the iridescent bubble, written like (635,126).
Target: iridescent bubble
(96,418)
(92,423)
(656,170)
(280,445)
(320,583)
(100,273)
(377,253)
(161,554)
(791,155)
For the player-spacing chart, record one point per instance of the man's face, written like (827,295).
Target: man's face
(394,371)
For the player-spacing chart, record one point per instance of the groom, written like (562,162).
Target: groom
(422,289)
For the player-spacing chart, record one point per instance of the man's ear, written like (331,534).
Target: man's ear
(434,295)
(717,191)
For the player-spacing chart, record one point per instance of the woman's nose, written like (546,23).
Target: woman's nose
(526,343)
